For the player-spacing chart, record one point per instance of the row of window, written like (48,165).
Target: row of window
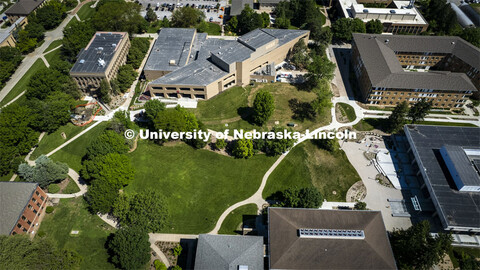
(375,102)
(416,94)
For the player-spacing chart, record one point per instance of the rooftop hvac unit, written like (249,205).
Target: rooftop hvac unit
(172,63)
(101,62)
(114,45)
(365,10)
(82,61)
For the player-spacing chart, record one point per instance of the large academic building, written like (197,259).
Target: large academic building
(184,63)
(391,69)
(101,59)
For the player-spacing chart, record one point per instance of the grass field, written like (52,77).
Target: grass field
(307,165)
(73,20)
(53,56)
(71,214)
(22,83)
(55,139)
(213,29)
(232,222)
(228,106)
(347,111)
(71,188)
(73,153)
(198,184)
(53,45)
(6,177)
(86,12)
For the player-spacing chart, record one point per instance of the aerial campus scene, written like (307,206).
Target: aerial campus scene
(239,134)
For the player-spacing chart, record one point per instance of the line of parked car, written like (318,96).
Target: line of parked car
(171,7)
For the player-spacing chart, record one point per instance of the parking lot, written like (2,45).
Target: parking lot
(214,10)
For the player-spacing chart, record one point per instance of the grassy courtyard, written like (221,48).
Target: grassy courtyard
(347,111)
(53,56)
(232,222)
(69,215)
(307,165)
(198,184)
(22,83)
(368,124)
(73,153)
(232,107)
(53,45)
(86,12)
(55,139)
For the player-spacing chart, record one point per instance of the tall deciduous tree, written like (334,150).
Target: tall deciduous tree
(114,168)
(374,27)
(108,142)
(76,37)
(119,16)
(416,248)
(419,110)
(101,196)
(320,68)
(187,17)
(249,20)
(263,107)
(398,118)
(307,197)
(153,107)
(242,148)
(275,147)
(130,248)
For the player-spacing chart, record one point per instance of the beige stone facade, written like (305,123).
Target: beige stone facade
(7,37)
(238,73)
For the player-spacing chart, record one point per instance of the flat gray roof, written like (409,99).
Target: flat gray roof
(384,69)
(24,7)
(172,44)
(14,196)
(98,54)
(256,39)
(201,72)
(229,252)
(455,208)
(463,165)
(239,5)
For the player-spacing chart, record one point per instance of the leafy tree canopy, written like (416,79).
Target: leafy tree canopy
(113,167)
(186,17)
(263,107)
(129,248)
(45,171)
(119,16)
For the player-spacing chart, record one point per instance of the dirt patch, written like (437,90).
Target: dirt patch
(356,192)
(383,180)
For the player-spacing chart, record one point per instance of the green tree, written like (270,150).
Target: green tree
(76,36)
(186,17)
(308,197)
(342,29)
(248,20)
(242,148)
(19,252)
(10,58)
(121,122)
(47,81)
(119,16)
(263,107)
(51,113)
(44,172)
(104,91)
(360,206)
(232,25)
(138,49)
(416,248)
(397,119)
(144,210)
(153,107)
(18,137)
(114,168)
(374,27)
(35,30)
(319,69)
(472,35)
(275,147)
(25,43)
(298,55)
(331,145)
(125,77)
(177,119)
(50,15)
(419,110)
(220,144)
(265,19)
(108,142)
(129,248)
(358,26)
(441,17)
(101,196)
(151,15)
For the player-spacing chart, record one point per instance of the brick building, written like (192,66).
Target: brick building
(101,59)
(21,205)
(391,69)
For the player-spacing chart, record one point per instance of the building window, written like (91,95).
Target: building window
(24,218)
(29,222)
(38,193)
(42,198)
(19,225)
(38,204)
(25,230)
(35,211)
(33,200)
(29,206)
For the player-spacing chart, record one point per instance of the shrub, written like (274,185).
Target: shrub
(41,234)
(159,265)
(177,250)
(53,188)
(49,209)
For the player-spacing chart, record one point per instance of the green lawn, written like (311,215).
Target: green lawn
(6,177)
(232,222)
(213,29)
(307,165)
(74,19)
(53,45)
(73,153)
(347,111)
(198,184)
(86,12)
(71,188)
(71,214)
(368,124)
(22,83)
(53,56)
(55,139)
(224,105)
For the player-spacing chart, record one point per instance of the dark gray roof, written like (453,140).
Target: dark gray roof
(229,252)
(238,5)
(456,208)
(14,196)
(384,69)
(172,44)
(24,7)
(200,70)
(270,1)
(289,251)
(463,165)
(102,46)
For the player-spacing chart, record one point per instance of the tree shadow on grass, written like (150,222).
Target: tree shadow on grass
(246,113)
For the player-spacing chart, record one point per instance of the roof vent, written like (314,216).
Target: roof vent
(172,63)
(453,42)
(114,45)
(331,234)
(101,62)
(387,40)
(82,61)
